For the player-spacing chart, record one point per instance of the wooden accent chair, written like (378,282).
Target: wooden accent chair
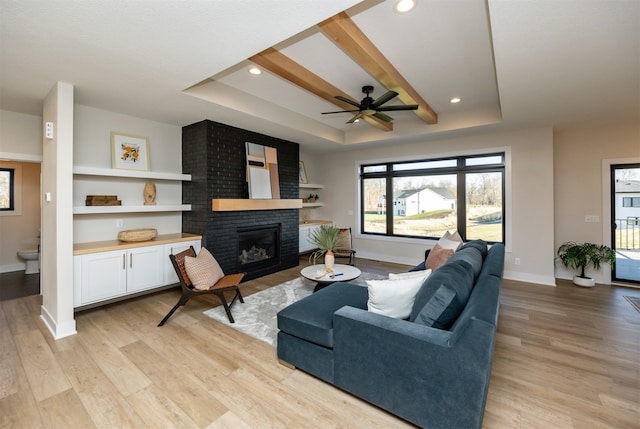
(345,246)
(227,283)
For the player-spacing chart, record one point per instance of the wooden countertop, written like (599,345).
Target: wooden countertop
(108,245)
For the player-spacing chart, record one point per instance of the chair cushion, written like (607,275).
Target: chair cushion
(344,239)
(443,295)
(203,270)
(394,298)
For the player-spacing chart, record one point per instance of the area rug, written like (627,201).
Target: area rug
(634,301)
(257,316)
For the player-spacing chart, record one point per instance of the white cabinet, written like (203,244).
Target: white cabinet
(305,232)
(109,274)
(170,275)
(106,275)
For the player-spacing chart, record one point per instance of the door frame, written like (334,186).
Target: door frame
(606,206)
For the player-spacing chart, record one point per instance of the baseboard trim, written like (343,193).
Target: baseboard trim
(58,331)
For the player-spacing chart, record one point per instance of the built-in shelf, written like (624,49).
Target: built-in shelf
(112,172)
(312,204)
(82,210)
(311,186)
(230,204)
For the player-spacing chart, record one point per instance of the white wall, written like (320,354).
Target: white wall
(19,230)
(92,148)
(20,136)
(579,154)
(529,205)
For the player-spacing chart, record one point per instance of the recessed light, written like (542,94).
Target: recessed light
(455,100)
(405,6)
(255,71)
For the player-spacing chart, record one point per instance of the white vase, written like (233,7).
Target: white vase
(329,260)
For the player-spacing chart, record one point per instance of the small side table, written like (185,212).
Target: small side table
(316,273)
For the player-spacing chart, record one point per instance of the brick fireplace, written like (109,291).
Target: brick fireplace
(214,155)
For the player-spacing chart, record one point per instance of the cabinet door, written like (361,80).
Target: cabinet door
(303,243)
(145,268)
(103,276)
(170,276)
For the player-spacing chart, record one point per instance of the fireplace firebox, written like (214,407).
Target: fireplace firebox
(258,247)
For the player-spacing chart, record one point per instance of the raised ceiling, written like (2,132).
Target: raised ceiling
(514,64)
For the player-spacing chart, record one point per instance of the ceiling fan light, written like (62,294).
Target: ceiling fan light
(455,100)
(405,6)
(255,71)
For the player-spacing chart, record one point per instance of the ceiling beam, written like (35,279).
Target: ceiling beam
(346,34)
(283,66)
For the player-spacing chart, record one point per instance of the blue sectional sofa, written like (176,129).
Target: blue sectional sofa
(431,377)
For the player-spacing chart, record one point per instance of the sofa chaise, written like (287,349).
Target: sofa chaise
(431,377)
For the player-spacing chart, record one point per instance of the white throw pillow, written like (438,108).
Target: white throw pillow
(393,298)
(203,270)
(410,275)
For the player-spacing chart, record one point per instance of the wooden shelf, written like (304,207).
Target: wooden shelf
(112,172)
(83,210)
(109,245)
(311,186)
(312,204)
(229,204)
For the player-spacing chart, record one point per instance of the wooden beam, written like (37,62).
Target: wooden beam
(283,66)
(344,32)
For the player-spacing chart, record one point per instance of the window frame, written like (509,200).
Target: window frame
(12,190)
(460,170)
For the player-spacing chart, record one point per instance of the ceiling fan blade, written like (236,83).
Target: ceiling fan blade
(346,100)
(383,117)
(383,99)
(398,107)
(355,118)
(340,111)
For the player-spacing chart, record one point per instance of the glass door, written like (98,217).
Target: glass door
(625,221)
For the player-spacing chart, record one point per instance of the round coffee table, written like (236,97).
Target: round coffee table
(316,273)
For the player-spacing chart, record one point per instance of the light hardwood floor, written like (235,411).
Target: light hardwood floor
(565,357)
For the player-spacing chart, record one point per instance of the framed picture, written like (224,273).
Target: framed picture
(302,173)
(129,152)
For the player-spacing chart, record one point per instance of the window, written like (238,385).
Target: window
(630,201)
(7,187)
(426,198)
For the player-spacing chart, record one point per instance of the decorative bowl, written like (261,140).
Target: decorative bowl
(141,234)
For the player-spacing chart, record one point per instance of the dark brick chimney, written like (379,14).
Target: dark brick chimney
(214,155)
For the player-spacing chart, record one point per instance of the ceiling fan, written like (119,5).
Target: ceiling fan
(370,107)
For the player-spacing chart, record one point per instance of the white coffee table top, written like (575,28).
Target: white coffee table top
(343,273)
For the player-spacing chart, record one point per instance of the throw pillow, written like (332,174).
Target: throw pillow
(443,250)
(437,257)
(409,275)
(203,270)
(443,295)
(393,298)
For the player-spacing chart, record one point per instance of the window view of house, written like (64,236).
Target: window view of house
(426,200)
(627,216)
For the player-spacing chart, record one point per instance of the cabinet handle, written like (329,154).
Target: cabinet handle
(130,260)
(124,261)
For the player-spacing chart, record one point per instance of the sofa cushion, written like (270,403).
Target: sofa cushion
(438,256)
(481,245)
(311,318)
(443,295)
(394,298)
(472,255)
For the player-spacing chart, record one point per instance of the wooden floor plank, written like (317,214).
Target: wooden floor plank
(565,357)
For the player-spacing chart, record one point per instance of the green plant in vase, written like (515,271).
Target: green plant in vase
(325,239)
(580,256)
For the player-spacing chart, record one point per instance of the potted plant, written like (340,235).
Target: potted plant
(325,239)
(312,198)
(580,256)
